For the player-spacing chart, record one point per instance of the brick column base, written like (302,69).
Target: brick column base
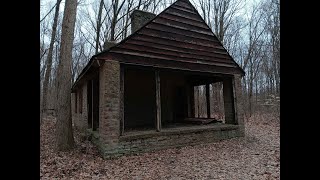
(109,105)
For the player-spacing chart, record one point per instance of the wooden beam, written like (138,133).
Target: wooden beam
(121,101)
(208,100)
(157,54)
(95,103)
(158,101)
(171,64)
(234,89)
(190,100)
(187,86)
(92,105)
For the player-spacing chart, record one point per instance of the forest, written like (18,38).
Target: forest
(249,30)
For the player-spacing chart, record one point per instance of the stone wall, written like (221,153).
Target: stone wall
(80,119)
(238,101)
(228,98)
(111,144)
(167,139)
(140,18)
(109,104)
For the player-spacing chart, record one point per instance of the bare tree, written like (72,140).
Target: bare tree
(43,48)
(220,15)
(119,17)
(99,24)
(224,12)
(79,53)
(154,5)
(49,59)
(55,6)
(116,8)
(127,18)
(165,3)
(273,24)
(254,54)
(64,134)
(205,6)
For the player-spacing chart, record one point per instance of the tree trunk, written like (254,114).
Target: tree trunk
(250,97)
(99,26)
(49,61)
(113,27)
(256,82)
(64,134)
(114,20)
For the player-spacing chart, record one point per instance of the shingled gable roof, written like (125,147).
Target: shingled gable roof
(177,38)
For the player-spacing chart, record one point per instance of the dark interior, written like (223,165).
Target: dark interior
(93,102)
(89,101)
(183,102)
(184,98)
(173,97)
(139,98)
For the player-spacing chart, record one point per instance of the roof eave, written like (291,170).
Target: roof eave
(83,73)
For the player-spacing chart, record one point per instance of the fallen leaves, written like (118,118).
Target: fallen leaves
(256,156)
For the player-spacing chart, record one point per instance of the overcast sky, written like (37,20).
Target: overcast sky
(46,5)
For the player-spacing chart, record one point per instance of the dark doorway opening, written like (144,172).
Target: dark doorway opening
(139,98)
(93,103)
(89,101)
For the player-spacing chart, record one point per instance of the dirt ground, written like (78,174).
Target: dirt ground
(256,156)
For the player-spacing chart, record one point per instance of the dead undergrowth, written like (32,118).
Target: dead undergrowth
(256,156)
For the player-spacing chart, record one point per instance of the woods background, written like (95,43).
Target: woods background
(249,30)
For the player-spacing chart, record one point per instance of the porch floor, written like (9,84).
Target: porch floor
(176,129)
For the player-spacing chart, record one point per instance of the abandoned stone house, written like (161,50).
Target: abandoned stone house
(138,94)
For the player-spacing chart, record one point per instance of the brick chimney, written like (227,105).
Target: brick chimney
(109,44)
(140,18)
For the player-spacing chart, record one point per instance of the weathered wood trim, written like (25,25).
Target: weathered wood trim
(234,100)
(158,101)
(121,100)
(208,100)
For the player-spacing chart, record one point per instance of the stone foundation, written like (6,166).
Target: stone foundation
(109,103)
(112,143)
(146,141)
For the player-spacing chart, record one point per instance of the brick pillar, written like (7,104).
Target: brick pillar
(109,104)
(208,100)
(229,110)
(73,108)
(238,101)
(84,115)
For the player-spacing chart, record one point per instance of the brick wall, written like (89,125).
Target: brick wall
(164,140)
(111,144)
(109,104)
(140,18)
(228,101)
(239,103)
(80,119)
